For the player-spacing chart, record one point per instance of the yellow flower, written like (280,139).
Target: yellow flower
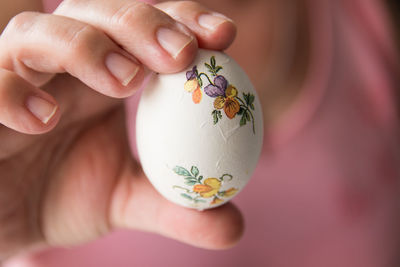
(210,187)
(230,105)
(231,91)
(191,85)
(219,102)
(216,201)
(230,192)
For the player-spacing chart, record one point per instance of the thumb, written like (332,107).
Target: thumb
(136,205)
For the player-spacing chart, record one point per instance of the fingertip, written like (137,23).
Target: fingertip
(130,85)
(186,56)
(178,48)
(24,107)
(43,113)
(228,228)
(218,31)
(127,73)
(223,36)
(216,229)
(232,234)
(212,29)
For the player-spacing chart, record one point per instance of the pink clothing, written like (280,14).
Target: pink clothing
(325,192)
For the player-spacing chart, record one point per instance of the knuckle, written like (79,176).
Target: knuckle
(66,4)
(21,22)
(82,37)
(183,6)
(133,13)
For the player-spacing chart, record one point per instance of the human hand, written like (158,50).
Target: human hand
(67,175)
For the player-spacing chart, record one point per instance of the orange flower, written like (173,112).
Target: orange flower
(230,192)
(192,86)
(230,105)
(216,201)
(197,95)
(209,189)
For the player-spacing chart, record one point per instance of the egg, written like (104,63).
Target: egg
(199,132)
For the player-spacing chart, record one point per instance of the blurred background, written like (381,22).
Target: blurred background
(325,191)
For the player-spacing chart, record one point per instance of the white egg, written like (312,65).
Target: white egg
(199,132)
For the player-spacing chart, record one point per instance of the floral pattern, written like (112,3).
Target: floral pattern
(226,95)
(202,189)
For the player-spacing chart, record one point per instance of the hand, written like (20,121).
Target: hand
(67,175)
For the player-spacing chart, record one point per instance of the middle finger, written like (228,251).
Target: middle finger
(157,40)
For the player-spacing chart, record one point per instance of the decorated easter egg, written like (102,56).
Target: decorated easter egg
(199,132)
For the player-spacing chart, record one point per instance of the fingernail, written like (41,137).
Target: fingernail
(121,68)
(212,21)
(173,41)
(41,108)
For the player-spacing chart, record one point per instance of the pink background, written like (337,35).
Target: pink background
(324,193)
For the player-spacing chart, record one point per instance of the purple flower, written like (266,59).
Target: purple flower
(218,88)
(192,74)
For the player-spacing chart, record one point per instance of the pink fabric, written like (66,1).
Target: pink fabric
(326,190)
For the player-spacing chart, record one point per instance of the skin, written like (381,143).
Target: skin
(75,180)
(72,179)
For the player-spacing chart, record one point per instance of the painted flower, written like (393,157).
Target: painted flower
(230,192)
(209,188)
(224,96)
(192,85)
(217,201)
(192,74)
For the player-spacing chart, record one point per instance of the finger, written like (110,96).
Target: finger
(25,108)
(213,30)
(157,40)
(34,43)
(101,188)
(137,205)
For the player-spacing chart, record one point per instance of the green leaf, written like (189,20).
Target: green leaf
(219,114)
(243,120)
(241,110)
(191,182)
(200,82)
(200,178)
(251,99)
(212,61)
(199,200)
(181,171)
(186,196)
(252,106)
(208,66)
(194,171)
(215,116)
(190,178)
(218,68)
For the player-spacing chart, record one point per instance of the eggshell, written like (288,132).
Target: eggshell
(199,132)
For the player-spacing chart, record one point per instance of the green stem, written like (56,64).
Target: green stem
(223,175)
(208,78)
(248,110)
(241,101)
(252,120)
